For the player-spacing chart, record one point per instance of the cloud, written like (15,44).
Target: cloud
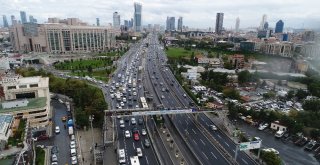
(200,13)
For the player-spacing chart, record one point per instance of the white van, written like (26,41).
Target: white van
(279,134)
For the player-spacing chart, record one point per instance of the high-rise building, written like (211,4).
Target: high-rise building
(170,24)
(98,21)
(23,16)
(5,21)
(180,24)
(116,20)
(137,17)
(237,25)
(279,27)
(126,23)
(219,23)
(13,20)
(266,26)
(32,20)
(263,21)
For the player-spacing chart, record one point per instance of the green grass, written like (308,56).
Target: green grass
(40,155)
(178,52)
(100,74)
(19,134)
(82,64)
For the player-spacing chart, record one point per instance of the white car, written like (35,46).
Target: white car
(57,130)
(133,121)
(112,96)
(122,104)
(122,123)
(139,152)
(124,99)
(137,106)
(74,160)
(271,150)
(127,134)
(72,144)
(143,132)
(213,127)
(134,93)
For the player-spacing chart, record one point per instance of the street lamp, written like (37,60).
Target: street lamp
(91,117)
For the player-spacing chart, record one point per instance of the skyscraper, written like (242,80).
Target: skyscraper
(98,21)
(23,16)
(137,17)
(180,24)
(219,23)
(266,26)
(5,21)
(170,24)
(237,24)
(279,27)
(13,20)
(32,20)
(126,23)
(263,21)
(116,20)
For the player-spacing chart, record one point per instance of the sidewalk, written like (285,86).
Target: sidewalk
(84,142)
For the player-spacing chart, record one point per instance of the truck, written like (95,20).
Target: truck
(70,130)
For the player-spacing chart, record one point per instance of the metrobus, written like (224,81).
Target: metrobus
(134,160)
(143,102)
(121,156)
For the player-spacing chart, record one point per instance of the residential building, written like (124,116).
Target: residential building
(126,23)
(97,21)
(28,98)
(68,35)
(279,27)
(5,21)
(137,21)
(247,46)
(266,26)
(237,61)
(23,17)
(211,62)
(219,23)
(237,25)
(170,24)
(180,24)
(284,49)
(311,50)
(6,121)
(308,35)
(116,20)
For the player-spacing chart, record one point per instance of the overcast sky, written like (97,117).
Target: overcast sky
(195,13)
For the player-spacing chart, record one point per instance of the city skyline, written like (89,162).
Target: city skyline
(196,15)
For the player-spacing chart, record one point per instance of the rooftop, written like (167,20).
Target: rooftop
(5,120)
(33,104)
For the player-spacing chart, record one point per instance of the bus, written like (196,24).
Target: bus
(143,102)
(121,156)
(134,160)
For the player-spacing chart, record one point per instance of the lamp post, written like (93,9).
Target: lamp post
(91,117)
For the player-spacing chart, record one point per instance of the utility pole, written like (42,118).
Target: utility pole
(91,117)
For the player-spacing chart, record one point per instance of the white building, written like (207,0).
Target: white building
(27,97)
(277,126)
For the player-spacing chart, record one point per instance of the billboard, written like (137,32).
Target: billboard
(250,145)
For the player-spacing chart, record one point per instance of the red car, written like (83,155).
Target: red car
(136,136)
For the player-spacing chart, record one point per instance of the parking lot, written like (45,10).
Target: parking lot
(289,152)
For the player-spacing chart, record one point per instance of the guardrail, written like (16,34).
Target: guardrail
(153,145)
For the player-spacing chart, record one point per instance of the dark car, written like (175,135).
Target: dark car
(135,129)
(126,119)
(147,143)
(54,150)
(140,121)
(43,137)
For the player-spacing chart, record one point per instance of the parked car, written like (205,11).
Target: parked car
(74,160)
(271,150)
(54,158)
(54,150)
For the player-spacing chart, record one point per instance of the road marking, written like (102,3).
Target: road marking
(142,144)
(207,124)
(213,155)
(147,160)
(244,161)
(134,147)
(195,142)
(205,155)
(201,118)
(227,144)
(180,121)
(233,150)
(219,136)
(202,142)
(187,122)
(194,131)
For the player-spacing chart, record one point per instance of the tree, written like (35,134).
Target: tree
(231,93)
(269,95)
(315,133)
(290,94)
(311,105)
(244,77)
(270,158)
(301,94)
